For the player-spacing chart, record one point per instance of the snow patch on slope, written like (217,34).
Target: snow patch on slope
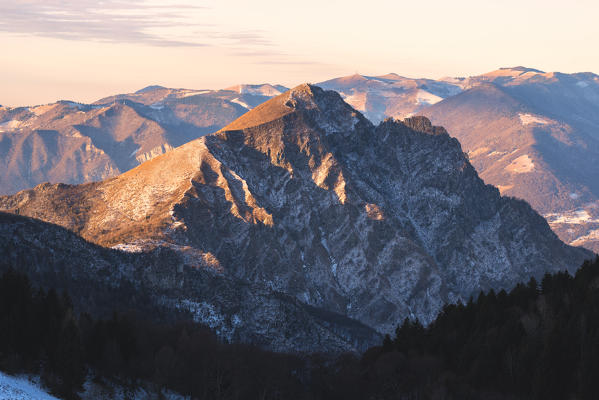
(19,388)
(521,165)
(241,103)
(39,110)
(591,236)
(504,188)
(528,119)
(356,100)
(130,248)
(578,216)
(193,93)
(478,151)
(427,98)
(10,125)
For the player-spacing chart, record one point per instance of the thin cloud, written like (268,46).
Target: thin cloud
(290,62)
(131,21)
(242,38)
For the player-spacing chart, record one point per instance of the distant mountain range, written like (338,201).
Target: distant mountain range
(391,95)
(74,143)
(300,213)
(534,135)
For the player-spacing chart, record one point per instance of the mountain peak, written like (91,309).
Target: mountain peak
(520,68)
(302,98)
(512,73)
(270,110)
(150,88)
(392,76)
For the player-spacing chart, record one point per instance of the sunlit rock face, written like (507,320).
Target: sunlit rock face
(303,197)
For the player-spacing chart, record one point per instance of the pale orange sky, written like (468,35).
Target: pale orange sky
(77,50)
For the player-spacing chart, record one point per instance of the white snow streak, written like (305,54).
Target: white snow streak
(528,119)
(241,103)
(135,152)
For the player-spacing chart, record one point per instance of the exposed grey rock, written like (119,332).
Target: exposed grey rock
(157,284)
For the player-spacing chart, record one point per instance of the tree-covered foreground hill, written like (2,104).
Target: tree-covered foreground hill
(539,341)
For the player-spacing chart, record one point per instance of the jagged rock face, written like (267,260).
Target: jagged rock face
(74,143)
(304,196)
(158,285)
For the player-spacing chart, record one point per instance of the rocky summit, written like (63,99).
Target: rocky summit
(302,198)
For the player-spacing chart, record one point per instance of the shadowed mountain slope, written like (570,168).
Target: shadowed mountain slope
(159,285)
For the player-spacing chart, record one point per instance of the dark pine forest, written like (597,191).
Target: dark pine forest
(538,341)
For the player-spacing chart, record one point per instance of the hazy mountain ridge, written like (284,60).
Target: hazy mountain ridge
(536,136)
(391,95)
(70,142)
(530,133)
(304,196)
